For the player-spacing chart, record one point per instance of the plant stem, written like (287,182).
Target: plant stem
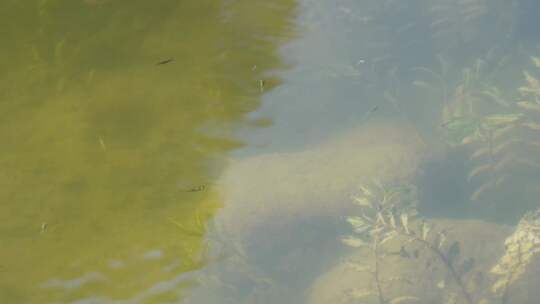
(442,257)
(376,272)
(451,268)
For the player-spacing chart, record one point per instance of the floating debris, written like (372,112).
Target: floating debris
(102,144)
(44,227)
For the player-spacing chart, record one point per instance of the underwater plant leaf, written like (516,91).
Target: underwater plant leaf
(360,293)
(376,231)
(500,132)
(536,61)
(499,284)
(361,230)
(405,222)
(460,123)
(470,139)
(528,90)
(392,220)
(422,84)
(528,163)
(504,162)
(362,201)
(479,170)
(388,237)
(365,190)
(495,95)
(368,219)
(356,222)
(533,82)
(425,231)
(354,242)
(480,190)
(479,153)
(404,299)
(440,239)
(505,145)
(500,180)
(380,218)
(500,120)
(458,128)
(527,105)
(357,267)
(532,126)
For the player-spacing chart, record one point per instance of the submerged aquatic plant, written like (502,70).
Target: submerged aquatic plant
(388,218)
(521,248)
(388,213)
(496,138)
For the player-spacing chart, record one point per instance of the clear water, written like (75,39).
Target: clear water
(208,151)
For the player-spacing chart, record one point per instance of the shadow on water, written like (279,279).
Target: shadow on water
(109,160)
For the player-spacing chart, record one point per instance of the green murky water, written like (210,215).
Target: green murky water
(234,151)
(108,159)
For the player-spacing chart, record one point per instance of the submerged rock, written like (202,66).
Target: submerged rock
(274,189)
(421,276)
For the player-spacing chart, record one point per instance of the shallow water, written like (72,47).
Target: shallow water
(208,151)
(110,159)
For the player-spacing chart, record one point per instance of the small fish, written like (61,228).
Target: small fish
(165,61)
(369,112)
(196,189)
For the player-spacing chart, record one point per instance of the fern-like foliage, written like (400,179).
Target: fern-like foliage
(502,137)
(455,20)
(389,213)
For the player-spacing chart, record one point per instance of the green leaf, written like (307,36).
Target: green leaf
(354,242)
(360,293)
(527,105)
(357,267)
(425,231)
(388,237)
(479,170)
(405,222)
(362,201)
(356,222)
(501,120)
(404,299)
